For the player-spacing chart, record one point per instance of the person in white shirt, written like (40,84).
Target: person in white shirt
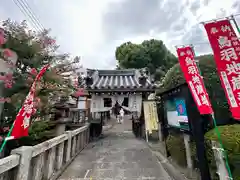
(121,115)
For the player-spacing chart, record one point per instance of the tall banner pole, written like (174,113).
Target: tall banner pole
(199,69)
(235,23)
(216,127)
(201,99)
(226,49)
(21,123)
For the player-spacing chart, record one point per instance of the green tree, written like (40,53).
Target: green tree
(35,50)
(152,54)
(174,77)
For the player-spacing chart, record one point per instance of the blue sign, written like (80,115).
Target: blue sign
(177,113)
(181,107)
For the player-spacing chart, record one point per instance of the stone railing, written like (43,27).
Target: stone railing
(46,160)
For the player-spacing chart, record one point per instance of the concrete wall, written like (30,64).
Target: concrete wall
(46,160)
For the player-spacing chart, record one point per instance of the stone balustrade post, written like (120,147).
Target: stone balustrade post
(25,153)
(50,163)
(88,135)
(38,167)
(220,163)
(45,160)
(74,144)
(188,150)
(85,138)
(69,145)
(81,140)
(60,151)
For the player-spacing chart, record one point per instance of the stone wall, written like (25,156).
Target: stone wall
(46,160)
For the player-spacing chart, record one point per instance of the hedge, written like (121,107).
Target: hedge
(176,148)
(230,135)
(39,131)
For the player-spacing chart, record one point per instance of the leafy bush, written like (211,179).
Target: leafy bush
(230,135)
(176,147)
(174,77)
(210,157)
(39,131)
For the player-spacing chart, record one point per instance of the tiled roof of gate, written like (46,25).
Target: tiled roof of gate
(118,79)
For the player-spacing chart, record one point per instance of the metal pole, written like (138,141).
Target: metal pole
(219,18)
(214,123)
(235,23)
(198,134)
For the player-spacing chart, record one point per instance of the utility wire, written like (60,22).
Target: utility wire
(26,13)
(32,13)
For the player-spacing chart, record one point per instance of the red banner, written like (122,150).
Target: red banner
(22,121)
(226,49)
(194,79)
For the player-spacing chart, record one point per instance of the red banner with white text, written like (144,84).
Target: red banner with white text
(226,49)
(194,79)
(22,121)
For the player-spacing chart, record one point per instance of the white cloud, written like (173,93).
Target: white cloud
(92,29)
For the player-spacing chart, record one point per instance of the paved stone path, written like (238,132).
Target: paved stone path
(119,155)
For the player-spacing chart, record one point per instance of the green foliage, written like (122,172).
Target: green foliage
(35,50)
(210,157)
(152,54)
(230,135)
(175,145)
(39,131)
(174,77)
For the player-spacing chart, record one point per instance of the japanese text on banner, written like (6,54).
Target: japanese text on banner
(194,80)
(226,49)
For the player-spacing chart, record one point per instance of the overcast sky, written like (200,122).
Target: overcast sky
(93,28)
